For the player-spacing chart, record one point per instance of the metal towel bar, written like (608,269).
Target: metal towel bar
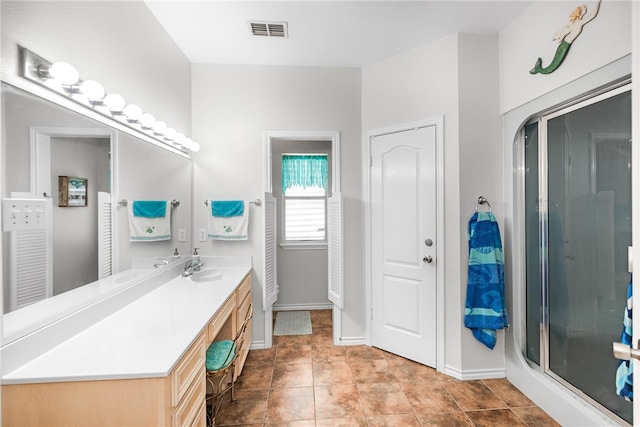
(125,202)
(256,202)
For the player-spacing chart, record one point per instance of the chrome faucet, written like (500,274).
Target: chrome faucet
(192,265)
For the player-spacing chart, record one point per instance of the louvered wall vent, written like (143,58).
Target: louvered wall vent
(269,29)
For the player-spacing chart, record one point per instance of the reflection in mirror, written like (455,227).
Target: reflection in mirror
(77,253)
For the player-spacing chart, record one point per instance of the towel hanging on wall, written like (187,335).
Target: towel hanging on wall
(149,220)
(624,372)
(485,309)
(228,220)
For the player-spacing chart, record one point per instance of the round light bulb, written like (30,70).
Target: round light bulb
(170,134)
(147,121)
(92,90)
(65,73)
(187,143)
(159,128)
(133,112)
(115,102)
(195,147)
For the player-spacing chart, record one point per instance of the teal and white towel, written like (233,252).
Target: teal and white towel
(228,220)
(149,220)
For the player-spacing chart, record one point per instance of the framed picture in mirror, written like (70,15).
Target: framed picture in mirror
(72,191)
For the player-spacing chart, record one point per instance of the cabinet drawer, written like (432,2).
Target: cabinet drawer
(244,288)
(201,418)
(188,411)
(243,308)
(220,319)
(190,368)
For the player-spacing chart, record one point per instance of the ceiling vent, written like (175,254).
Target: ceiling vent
(269,29)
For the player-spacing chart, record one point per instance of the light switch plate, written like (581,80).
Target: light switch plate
(182,235)
(23,214)
(202,235)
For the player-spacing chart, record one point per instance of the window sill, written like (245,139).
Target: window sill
(304,246)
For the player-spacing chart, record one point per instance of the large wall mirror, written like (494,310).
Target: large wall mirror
(80,169)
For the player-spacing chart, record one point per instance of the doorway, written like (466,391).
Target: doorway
(578,222)
(303,225)
(78,235)
(404,259)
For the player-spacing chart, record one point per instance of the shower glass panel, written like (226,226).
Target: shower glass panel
(532,231)
(578,228)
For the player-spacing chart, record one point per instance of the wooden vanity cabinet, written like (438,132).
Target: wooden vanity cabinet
(177,400)
(243,302)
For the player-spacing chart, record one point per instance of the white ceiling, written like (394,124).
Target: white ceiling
(323,33)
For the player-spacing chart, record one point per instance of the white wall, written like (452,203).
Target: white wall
(104,41)
(480,162)
(233,105)
(528,37)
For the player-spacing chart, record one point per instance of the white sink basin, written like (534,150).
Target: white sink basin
(208,275)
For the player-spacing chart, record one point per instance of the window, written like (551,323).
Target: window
(304,190)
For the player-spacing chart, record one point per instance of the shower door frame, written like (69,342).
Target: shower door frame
(542,118)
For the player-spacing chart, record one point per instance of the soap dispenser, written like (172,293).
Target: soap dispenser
(175,254)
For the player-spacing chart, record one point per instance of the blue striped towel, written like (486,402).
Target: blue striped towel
(624,372)
(485,309)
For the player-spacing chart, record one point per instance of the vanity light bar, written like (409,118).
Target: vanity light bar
(63,78)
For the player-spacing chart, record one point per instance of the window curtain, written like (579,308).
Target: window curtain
(304,171)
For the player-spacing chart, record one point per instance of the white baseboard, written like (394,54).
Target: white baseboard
(257,345)
(481,374)
(302,307)
(353,341)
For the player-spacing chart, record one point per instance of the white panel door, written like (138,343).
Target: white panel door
(403,237)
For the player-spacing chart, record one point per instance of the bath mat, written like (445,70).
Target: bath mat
(292,323)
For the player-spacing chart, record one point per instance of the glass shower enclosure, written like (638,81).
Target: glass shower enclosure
(577,185)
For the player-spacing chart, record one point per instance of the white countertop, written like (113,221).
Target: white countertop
(142,340)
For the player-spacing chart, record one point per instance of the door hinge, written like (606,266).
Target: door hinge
(370,161)
(371,313)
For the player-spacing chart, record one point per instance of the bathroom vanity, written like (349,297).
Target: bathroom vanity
(140,362)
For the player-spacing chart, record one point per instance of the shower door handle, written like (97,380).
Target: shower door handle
(624,352)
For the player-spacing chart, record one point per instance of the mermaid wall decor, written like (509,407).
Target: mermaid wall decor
(566,35)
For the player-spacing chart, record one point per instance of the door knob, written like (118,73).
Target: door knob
(624,352)
(427,259)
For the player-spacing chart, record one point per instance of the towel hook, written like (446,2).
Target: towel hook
(481,201)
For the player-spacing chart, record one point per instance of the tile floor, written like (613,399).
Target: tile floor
(305,381)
